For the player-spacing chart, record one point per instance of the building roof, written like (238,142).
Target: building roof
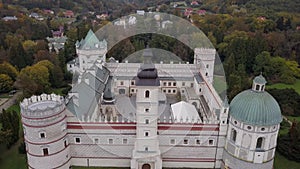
(255,108)
(260,80)
(91,42)
(185,111)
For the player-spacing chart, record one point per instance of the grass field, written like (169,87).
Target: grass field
(295,86)
(291,118)
(281,162)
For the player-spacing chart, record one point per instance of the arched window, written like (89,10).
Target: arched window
(233,135)
(257,87)
(260,142)
(147,94)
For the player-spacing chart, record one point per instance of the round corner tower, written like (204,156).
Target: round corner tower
(45,131)
(253,127)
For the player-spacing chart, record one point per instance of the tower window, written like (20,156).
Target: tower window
(77,140)
(183,83)
(206,74)
(132,82)
(65,143)
(147,121)
(257,87)
(45,151)
(233,135)
(42,135)
(192,84)
(207,66)
(146,148)
(259,143)
(147,94)
(200,90)
(146,134)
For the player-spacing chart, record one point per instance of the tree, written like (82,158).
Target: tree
(6,83)
(8,69)
(10,127)
(33,79)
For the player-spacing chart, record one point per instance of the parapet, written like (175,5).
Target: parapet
(42,106)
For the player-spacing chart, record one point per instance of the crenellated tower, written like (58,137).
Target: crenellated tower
(45,131)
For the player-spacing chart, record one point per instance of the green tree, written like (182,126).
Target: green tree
(10,127)
(6,83)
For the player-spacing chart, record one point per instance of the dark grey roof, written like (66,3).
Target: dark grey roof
(147,75)
(89,92)
(198,78)
(108,95)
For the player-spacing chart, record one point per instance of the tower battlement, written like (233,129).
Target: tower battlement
(42,106)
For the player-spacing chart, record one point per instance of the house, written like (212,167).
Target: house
(10,18)
(201,12)
(69,14)
(140,12)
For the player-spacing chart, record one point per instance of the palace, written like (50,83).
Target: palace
(149,116)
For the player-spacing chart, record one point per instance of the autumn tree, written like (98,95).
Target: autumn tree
(6,83)
(33,79)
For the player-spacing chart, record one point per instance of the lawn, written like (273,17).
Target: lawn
(295,86)
(292,118)
(281,162)
(11,159)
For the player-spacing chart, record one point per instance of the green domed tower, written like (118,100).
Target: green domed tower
(253,127)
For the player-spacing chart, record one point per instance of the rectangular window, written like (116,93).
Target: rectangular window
(192,84)
(210,142)
(45,151)
(174,83)
(132,82)
(110,141)
(65,143)
(165,83)
(172,141)
(164,91)
(147,121)
(132,90)
(174,91)
(146,149)
(125,141)
(185,141)
(77,140)
(96,140)
(183,83)
(147,110)
(121,83)
(198,142)
(43,135)
(169,84)
(146,134)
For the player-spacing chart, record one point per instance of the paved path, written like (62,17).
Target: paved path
(10,102)
(286,119)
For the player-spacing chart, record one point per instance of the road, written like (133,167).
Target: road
(10,101)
